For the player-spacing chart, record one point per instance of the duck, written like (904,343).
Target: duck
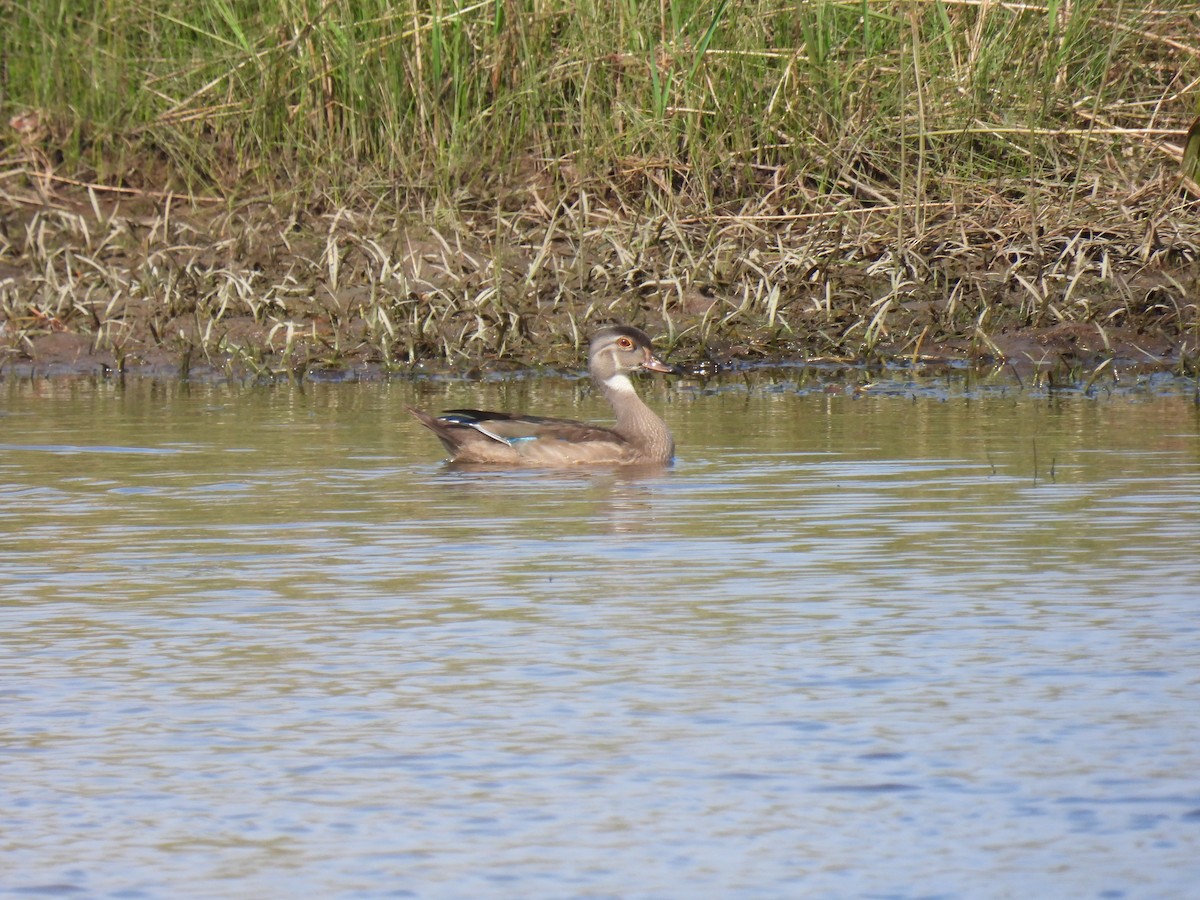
(639,436)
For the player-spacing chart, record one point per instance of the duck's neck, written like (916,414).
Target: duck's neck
(636,422)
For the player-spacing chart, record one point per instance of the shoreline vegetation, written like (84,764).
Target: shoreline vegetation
(319,189)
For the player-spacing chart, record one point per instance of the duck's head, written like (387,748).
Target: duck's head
(621,349)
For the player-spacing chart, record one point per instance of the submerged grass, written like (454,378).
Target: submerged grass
(302,185)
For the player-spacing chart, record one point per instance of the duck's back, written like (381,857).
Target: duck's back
(496,438)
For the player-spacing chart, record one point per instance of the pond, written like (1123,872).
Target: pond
(913,638)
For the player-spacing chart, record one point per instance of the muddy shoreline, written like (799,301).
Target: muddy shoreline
(1062,355)
(141,288)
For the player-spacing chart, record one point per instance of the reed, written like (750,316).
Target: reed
(700,103)
(400,180)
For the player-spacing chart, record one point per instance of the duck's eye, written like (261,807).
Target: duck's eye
(625,343)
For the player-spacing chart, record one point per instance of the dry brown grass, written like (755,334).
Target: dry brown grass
(997,275)
(993,181)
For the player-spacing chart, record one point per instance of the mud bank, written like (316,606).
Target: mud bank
(154,288)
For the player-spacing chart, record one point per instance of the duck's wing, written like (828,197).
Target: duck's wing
(481,436)
(512,429)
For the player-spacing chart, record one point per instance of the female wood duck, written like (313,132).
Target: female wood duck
(638,437)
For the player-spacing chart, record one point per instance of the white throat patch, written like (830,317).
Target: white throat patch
(619,384)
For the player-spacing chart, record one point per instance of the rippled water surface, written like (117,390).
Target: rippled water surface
(919,641)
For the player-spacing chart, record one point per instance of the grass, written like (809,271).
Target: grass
(310,184)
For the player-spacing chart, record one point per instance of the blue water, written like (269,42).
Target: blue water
(924,643)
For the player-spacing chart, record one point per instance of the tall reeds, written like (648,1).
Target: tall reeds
(460,177)
(706,101)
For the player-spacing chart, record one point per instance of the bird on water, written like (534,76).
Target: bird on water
(639,436)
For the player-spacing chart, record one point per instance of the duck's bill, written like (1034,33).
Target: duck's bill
(654,364)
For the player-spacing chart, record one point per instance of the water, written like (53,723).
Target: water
(936,641)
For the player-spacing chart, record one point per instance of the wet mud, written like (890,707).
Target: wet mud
(333,294)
